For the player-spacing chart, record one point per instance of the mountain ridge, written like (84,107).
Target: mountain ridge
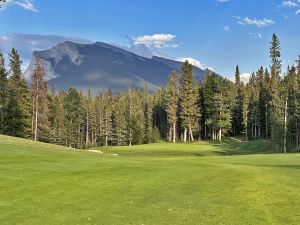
(99,66)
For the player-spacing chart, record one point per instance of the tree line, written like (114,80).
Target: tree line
(185,110)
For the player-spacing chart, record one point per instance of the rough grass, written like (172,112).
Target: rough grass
(46,184)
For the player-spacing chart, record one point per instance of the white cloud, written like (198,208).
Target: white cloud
(227,28)
(289,4)
(157,40)
(193,61)
(254,22)
(255,35)
(25,4)
(297,12)
(244,77)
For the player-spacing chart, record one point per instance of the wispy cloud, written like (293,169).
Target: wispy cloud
(297,12)
(227,28)
(255,35)
(289,4)
(192,61)
(25,4)
(157,40)
(254,22)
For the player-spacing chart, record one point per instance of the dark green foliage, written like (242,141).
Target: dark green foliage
(217,98)
(17,120)
(237,114)
(74,118)
(58,134)
(189,108)
(172,104)
(119,120)
(3,93)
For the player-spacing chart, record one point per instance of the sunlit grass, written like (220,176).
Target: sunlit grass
(43,184)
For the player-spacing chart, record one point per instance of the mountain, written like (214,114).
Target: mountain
(100,66)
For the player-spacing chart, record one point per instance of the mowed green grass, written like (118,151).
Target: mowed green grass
(203,183)
(230,146)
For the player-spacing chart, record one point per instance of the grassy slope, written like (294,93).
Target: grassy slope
(228,147)
(46,184)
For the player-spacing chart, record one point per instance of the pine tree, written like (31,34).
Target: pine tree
(222,119)
(189,108)
(148,114)
(237,120)
(221,113)
(172,103)
(93,121)
(99,110)
(119,121)
(253,115)
(129,113)
(139,119)
(89,120)
(275,61)
(3,93)
(291,86)
(274,86)
(108,109)
(246,110)
(160,118)
(17,117)
(57,118)
(212,93)
(74,118)
(39,93)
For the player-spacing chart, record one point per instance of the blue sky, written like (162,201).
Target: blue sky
(217,33)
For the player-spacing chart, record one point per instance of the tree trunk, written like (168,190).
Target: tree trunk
(184,134)
(174,132)
(106,138)
(220,134)
(191,132)
(130,137)
(32,118)
(36,119)
(285,126)
(87,131)
(246,133)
